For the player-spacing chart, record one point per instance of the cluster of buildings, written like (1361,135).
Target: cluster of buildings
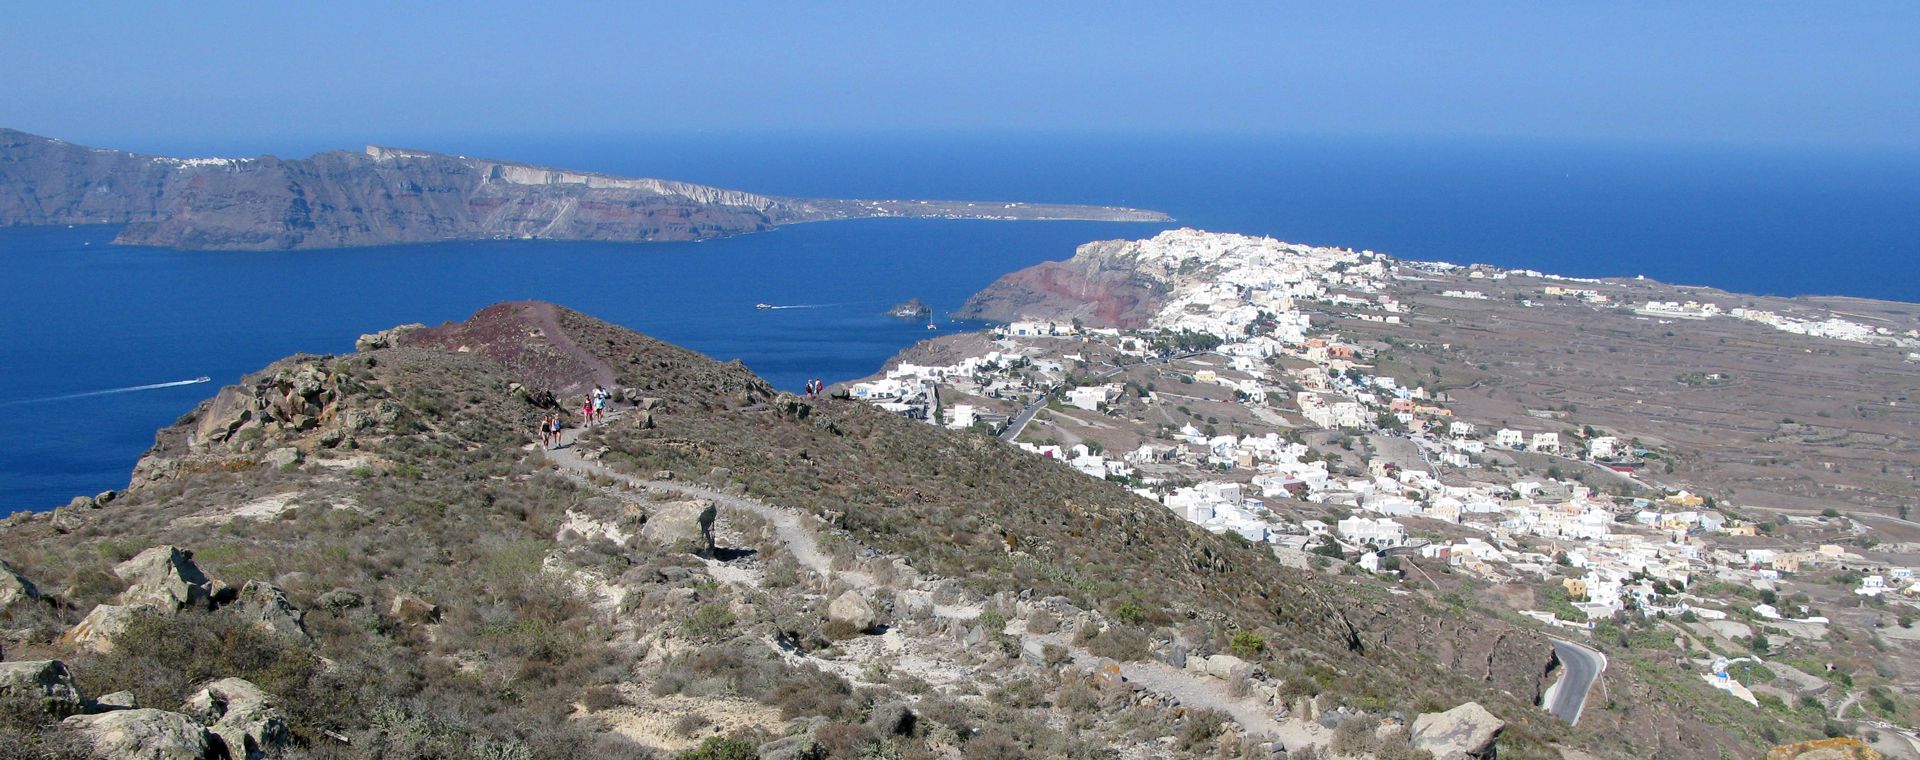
(1832,327)
(1607,554)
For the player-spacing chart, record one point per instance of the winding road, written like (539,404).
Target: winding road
(1581,667)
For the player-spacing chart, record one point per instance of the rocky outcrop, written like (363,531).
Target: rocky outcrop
(165,578)
(387,338)
(681,525)
(391,195)
(912,308)
(143,734)
(266,607)
(15,588)
(43,682)
(1100,286)
(246,719)
(1461,733)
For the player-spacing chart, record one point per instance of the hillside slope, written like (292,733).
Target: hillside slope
(377,545)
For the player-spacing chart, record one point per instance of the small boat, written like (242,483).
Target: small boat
(932,326)
(203,379)
(763,306)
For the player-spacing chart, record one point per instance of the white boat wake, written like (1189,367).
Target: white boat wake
(109,391)
(768,306)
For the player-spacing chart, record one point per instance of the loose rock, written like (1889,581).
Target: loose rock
(15,588)
(43,682)
(96,632)
(166,578)
(143,734)
(1463,732)
(266,606)
(853,610)
(413,610)
(67,519)
(682,525)
(244,717)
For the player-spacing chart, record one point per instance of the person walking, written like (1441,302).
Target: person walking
(546,431)
(586,410)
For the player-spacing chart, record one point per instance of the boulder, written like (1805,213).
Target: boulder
(1223,666)
(95,633)
(914,603)
(266,606)
(413,610)
(165,577)
(1463,732)
(143,734)
(15,588)
(83,502)
(67,519)
(43,682)
(852,609)
(682,525)
(283,458)
(105,497)
(119,700)
(245,718)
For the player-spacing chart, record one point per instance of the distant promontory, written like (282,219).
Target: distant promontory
(389,195)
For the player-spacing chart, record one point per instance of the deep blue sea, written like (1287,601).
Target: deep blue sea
(79,315)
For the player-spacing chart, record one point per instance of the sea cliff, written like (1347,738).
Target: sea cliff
(388,195)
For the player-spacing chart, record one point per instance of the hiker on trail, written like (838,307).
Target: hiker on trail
(546,431)
(599,401)
(586,410)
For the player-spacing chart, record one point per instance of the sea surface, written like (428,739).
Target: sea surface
(87,329)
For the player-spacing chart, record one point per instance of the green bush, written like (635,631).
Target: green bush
(1247,644)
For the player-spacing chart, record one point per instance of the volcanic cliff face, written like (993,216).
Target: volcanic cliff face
(390,195)
(1102,286)
(45,181)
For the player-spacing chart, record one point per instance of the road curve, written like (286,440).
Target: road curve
(1581,666)
(1019,421)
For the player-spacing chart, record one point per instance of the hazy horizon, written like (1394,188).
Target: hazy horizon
(264,78)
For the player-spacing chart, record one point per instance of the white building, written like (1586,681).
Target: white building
(1382,533)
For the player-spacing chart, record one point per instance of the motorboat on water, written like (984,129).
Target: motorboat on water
(763,306)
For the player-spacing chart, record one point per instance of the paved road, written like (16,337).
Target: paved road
(1580,668)
(1019,421)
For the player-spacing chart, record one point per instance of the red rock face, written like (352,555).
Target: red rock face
(1062,291)
(526,337)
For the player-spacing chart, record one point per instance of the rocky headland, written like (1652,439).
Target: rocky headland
(391,195)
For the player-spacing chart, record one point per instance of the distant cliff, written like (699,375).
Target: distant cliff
(388,195)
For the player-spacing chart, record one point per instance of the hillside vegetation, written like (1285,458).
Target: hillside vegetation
(375,543)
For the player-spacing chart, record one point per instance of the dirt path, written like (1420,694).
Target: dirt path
(1188,689)
(544,317)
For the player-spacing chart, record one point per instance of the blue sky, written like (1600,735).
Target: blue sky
(1826,75)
